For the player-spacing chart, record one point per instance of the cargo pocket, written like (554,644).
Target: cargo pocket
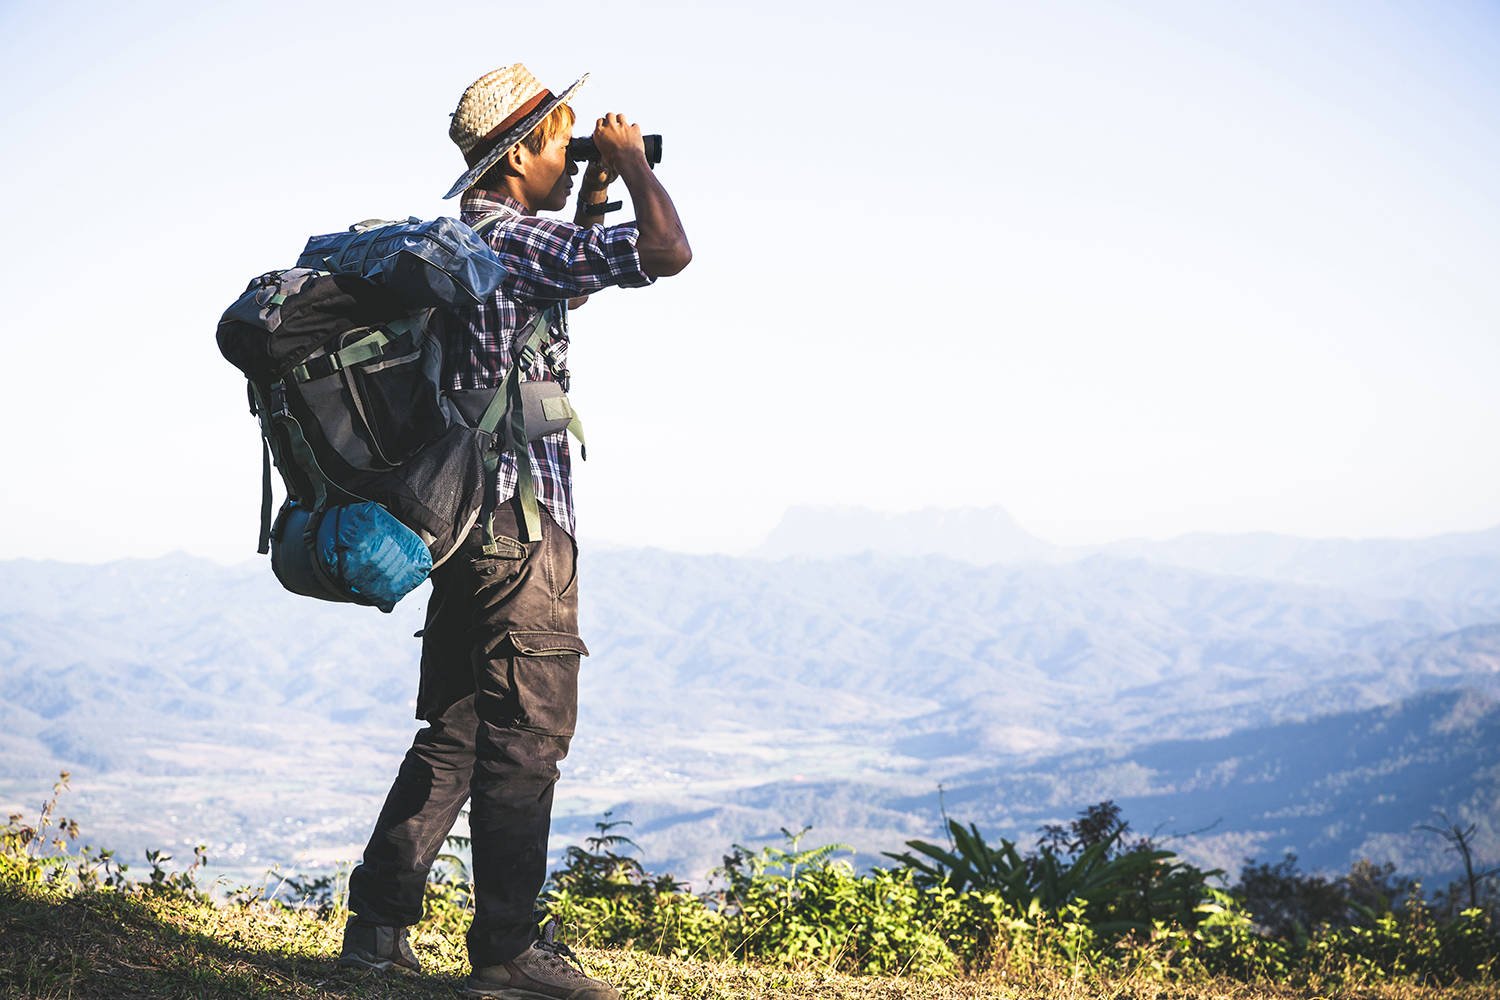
(504,549)
(544,680)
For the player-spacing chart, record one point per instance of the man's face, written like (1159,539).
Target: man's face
(549,178)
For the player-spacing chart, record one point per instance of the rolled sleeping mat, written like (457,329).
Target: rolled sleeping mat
(353,554)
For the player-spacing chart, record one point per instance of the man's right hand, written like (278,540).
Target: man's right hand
(618,141)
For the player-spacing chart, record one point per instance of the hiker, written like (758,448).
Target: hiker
(500,649)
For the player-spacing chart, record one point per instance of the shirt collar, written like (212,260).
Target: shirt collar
(477,202)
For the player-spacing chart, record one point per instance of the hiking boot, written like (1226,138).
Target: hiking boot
(375,946)
(545,971)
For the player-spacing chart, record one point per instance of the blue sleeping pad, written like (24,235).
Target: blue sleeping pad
(357,553)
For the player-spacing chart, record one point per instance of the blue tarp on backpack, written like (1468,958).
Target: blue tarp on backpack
(437,263)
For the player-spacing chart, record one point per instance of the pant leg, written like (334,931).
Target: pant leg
(432,784)
(499,691)
(525,659)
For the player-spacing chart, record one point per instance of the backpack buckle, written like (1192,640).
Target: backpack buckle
(328,364)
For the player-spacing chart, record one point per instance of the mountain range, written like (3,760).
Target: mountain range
(1245,695)
(989,535)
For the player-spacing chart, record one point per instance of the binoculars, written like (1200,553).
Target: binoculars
(583,148)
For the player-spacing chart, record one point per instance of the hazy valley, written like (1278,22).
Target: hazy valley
(1251,694)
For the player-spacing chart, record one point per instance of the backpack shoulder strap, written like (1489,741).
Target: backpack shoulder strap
(525,342)
(514,434)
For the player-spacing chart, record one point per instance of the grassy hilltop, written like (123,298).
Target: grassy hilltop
(1088,914)
(169,945)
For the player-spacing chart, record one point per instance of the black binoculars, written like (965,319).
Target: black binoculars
(583,148)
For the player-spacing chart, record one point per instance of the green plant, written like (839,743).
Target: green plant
(39,854)
(24,846)
(799,906)
(1117,890)
(606,898)
(1479,888)
(185,881)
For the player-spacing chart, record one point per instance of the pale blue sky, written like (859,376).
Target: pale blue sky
(1123,269)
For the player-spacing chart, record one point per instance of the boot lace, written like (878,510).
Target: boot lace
(558,953)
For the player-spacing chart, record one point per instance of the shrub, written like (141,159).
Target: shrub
(1085,869)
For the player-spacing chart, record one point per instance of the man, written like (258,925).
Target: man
(500,650)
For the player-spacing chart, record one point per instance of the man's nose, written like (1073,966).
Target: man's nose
(572,167)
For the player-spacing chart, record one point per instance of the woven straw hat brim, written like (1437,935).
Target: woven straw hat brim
(519,131)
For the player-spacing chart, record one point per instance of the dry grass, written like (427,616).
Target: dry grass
(56,945)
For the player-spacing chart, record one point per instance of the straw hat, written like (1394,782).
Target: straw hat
(497,111)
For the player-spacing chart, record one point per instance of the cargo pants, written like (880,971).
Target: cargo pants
(499,694)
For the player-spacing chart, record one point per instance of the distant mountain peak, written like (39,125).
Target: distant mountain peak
(980,535)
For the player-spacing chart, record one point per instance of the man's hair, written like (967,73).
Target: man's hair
(558,122)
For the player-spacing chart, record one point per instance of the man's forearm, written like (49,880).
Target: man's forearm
(592,191)
(663,244)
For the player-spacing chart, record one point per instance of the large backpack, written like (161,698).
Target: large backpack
(384,474)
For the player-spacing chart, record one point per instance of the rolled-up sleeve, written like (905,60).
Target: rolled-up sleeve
(548,259)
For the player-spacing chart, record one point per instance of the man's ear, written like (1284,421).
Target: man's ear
(517,159)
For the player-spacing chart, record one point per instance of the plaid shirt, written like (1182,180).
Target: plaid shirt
(546,261)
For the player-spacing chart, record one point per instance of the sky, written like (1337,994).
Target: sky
(1123,269)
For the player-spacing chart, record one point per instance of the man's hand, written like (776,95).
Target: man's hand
(593,191)
(597,176)
(617,141)
(663,245)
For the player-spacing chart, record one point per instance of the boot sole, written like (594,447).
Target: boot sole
(382,965)
(507,993)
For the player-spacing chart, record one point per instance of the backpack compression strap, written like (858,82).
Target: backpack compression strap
(372,345)
(265,472)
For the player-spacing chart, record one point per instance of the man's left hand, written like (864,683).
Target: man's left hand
(593,189)
(597,176)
